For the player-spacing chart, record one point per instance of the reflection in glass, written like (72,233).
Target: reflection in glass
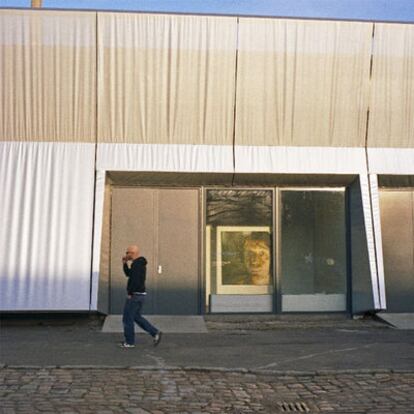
(314,247)
(239,207)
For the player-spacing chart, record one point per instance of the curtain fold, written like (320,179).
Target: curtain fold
(48,72)
(46,225)
(166,79)
(391,120)
(302,83)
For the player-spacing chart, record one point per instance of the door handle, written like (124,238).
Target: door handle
(159,269)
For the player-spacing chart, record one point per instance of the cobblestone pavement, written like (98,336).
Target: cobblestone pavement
(138,391)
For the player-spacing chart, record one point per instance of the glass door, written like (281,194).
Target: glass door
(313,250)
(239,233)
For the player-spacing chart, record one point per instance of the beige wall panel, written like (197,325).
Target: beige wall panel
(48,71)
(166,79)
(391,121)
(302,83)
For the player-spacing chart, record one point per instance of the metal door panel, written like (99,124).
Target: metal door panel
(178,252)
(397,211)
(132,223)
(164,223)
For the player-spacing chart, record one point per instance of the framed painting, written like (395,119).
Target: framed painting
(244,258)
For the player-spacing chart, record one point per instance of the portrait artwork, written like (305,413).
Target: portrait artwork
(244,259)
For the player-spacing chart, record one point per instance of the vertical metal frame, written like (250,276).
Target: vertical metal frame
(277,250)
(202,269)
(110,250)
(156,246)
(348,246)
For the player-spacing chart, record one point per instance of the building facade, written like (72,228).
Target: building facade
(261,164)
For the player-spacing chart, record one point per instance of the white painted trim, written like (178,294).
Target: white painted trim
(391,160)
(300,160)
(165,157)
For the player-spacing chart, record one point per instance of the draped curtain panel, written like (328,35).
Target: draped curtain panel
(391,120)
(46,209)
(302,83)
(376,221)
(48,76)
(366,195)
(166,79)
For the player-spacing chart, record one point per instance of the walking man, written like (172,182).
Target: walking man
(136,294)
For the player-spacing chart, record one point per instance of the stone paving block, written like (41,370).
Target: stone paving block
(118,390)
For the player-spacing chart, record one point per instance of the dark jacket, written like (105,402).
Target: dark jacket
(136,275)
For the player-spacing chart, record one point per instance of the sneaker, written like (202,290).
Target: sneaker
(126,345)
(157,338)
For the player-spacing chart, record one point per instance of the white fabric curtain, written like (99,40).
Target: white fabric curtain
(369,229)
(391,160)
(299,160)
(46,208)
(47,76)
(376,219)
(165,157)
(166,79)
(391,120)
(302,83)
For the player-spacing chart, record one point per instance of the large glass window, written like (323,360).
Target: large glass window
(239,242)
(313,271)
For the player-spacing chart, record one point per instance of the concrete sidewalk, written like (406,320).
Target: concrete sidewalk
(165,323)
(398,320)
(244,343)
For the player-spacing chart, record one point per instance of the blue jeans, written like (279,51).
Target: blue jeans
(132,313)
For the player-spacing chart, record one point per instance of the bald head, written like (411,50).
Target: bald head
(132,252)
